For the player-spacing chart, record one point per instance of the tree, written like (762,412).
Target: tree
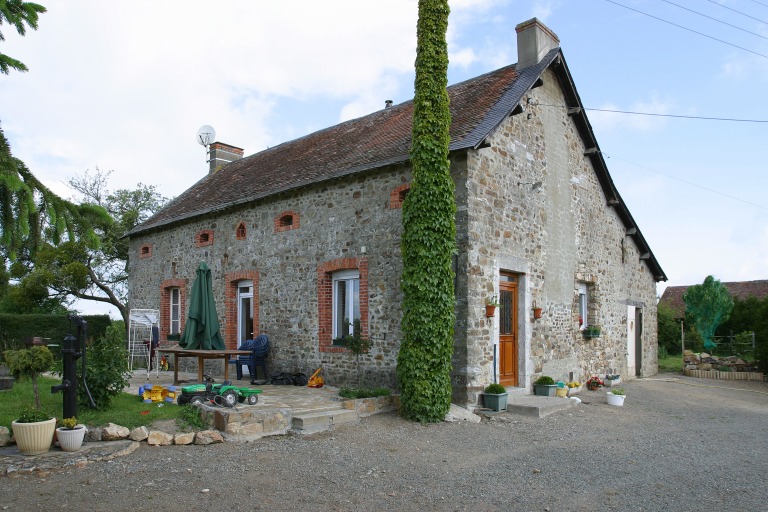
(429,231)
(668,330)
(75,268)
(17,13)
(709,304)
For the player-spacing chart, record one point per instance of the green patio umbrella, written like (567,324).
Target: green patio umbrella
(202,329)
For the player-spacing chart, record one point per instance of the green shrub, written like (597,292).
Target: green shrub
(618,391)
(495,389)
(29,363)
(545,380)
(107,365)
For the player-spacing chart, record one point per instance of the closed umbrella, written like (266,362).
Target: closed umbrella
(202,330)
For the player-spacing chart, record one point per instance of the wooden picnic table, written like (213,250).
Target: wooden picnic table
(201,356)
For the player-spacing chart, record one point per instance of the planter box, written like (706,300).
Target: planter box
(716,374)
(540,390)
(496,402)
(575,391)
(617,400)
(612,383)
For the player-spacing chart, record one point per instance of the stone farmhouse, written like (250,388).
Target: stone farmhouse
(304,237)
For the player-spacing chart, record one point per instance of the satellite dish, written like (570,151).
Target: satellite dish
(205,135)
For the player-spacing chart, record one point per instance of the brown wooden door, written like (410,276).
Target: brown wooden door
(508,329)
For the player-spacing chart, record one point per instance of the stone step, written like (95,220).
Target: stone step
(538,406)
(310,423)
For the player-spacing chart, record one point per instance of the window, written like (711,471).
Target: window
(397,196)
(287,221)
(204,237)
(346,302)
(145,251)
(244,311)
(583,304)
(174,295)
(240,231)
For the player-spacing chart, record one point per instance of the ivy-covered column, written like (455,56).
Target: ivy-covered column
(429,232)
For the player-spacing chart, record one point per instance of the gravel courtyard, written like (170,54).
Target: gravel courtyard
(678,444)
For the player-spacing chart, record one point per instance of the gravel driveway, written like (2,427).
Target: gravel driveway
(685,445)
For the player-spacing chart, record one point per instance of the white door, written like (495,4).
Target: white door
(244,311)
(631,340)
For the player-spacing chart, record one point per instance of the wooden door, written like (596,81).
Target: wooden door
(508,329)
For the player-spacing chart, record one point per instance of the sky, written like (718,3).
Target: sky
(125,87)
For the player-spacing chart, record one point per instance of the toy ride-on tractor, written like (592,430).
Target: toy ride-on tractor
(224,394)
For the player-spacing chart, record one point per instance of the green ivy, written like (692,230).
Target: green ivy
(429,232)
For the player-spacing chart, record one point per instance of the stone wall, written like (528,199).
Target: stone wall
(341,219)
(535,207)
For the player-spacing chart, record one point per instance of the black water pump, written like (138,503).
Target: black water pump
(74,348)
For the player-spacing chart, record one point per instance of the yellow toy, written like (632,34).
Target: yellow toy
(158,394)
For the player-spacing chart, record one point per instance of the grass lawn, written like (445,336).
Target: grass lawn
(125,410)
(671,364)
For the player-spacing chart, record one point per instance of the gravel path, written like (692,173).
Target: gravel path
(685,445)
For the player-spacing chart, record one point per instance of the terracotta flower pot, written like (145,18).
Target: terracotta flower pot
(537,313)
(490,310)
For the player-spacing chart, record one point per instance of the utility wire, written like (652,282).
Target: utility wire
(760,3)
(704,118)
(687,182)
(738,12)
(715,19)
(678,116)
(688,29)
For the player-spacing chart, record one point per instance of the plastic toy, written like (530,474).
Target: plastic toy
(157,393)
(221,394)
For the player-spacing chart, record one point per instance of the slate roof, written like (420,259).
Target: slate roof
(673,295)
(383,138)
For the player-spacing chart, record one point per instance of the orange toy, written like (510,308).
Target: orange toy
(316,380)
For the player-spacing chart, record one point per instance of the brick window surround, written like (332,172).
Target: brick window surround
(145,251)
(397,196)
(165,304)
(204,237)
(230,305)
(287,221)
(325,299)
(240,231)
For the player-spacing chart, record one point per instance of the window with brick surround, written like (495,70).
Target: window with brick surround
(145,251)
(586,304)
(346,302)
(286,221)
(204,237)
(174,326)
(173,297)
(397,196)
(342,297)
(240,231)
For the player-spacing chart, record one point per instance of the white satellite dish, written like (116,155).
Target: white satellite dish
(205,135)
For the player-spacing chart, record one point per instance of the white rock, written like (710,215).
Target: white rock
(456,413)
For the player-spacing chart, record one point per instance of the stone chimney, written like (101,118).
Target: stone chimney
(220,154)
(534,40)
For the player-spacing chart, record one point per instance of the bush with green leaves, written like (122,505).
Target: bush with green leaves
(29,363)
(107,368)
(495,389)
(354,393)
(545,380)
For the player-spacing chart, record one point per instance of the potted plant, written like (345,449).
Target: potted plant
(495,397)
(591,331)
(574,387)
(593,383)
(34,429)
(491,303)
(616,396)
(612,379)
(70,434)
(545,386)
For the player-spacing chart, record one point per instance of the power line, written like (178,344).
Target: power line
(715,19)
(678,116)
(688,29)
(687,182)
(760,3)
(738,12)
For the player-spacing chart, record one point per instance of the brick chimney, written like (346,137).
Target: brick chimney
(534,40)
(220,154)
